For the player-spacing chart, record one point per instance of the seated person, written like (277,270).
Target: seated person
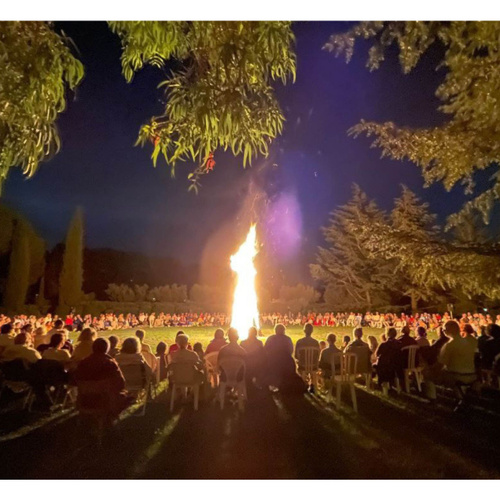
(20,350)
(422,337)
(306,341)
(388,365)
(457,359)
(185,356)
(54,350)
(113,346)
(361,350)
(256,356)
(84,345)
(282,373)
(6,336)
(161,354)
(175,347)
(327,356)
(100,367)
(132,363)
(490,348)
(140,334)
(217,342)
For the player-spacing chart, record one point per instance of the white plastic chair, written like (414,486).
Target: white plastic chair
(308,360)
(234,372)
(412,368)
(184,376)
(212,370)
(137,383)
(344,369)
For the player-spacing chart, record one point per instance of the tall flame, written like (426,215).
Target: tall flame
(245,310)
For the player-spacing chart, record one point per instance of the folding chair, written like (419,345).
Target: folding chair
(412,368)
(211,365)
(344,373)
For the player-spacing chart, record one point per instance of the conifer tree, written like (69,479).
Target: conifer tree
(19,270)
(347,264)
(71,279)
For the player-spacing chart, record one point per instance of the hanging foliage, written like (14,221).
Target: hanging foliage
(219,94)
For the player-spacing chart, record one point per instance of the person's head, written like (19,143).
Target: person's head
(182,340)
(347,339)
(405,330)
(252,332)
(493,330)
(308,329)
(27,328)
(198,349)
(6,329)
(58,324)
(322,344)
(383,337)
(219,334)
(100,346)
(113,341)
(161,348)
(130,346)
(391,333)
(39,331)
(452,328)
(421,332)
(331,339)
(232,335)
(468,329)
(279,329)
(87,335)
(21,339)
(358,333)
(56,340)
(140,334)
(372,342)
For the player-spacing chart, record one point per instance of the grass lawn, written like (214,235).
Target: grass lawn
(205,334)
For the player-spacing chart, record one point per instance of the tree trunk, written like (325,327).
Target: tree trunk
(414,303)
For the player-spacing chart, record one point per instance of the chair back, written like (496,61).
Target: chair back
(350,366)
(233,368)
(151,360)
(182,373)
(94,396)
(15,370)
(412,351)
(308,358)
(363,355)
(211,359)
(135,375)
(49,372)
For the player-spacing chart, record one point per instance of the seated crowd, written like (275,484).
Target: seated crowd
(459,357)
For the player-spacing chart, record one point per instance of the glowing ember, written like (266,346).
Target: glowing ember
(245,311)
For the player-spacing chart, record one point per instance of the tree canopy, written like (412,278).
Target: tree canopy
(219,94)
(37,69)
(469,140)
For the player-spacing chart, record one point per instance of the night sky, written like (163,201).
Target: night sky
(129,205)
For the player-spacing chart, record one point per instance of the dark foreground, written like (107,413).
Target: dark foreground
(276,437)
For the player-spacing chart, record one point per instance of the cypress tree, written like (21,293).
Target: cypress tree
(71,278)
(19,270)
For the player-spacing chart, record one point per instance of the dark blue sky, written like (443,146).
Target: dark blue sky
(130,205)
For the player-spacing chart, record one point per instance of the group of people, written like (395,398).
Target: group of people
(111,321)
(458,357)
